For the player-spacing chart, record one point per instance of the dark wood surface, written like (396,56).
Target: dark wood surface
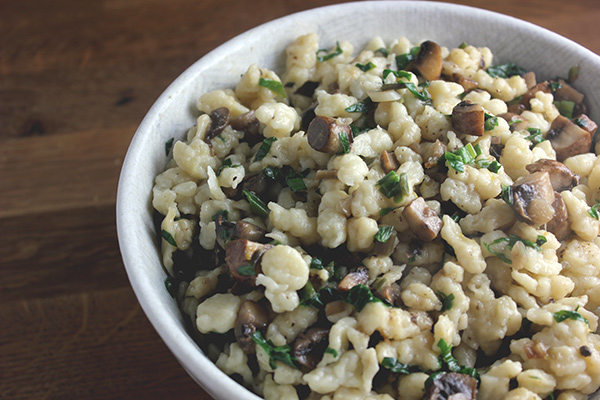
(76,78)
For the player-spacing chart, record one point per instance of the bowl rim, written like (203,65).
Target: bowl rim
(199,367)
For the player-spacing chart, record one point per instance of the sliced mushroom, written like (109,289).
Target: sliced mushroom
(515,121)
(354,278)
(308,115)
(324,135)
(389,162)
(428,62)
(530,94)
(243,259)
(468,118)
(307,89)
(246,122)
(533,197)
(567,138)
(422,220)
(310,346)
(389,293)
(326,174)
(451,386)
(468,84)
(219,119)
(529,78)
(564,91)
(256,183)
(561,177)
(432,152)
(386,248)
(251,318)
(559,225)
(247,230)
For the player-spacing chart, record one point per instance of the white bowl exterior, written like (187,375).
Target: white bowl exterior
(174,112)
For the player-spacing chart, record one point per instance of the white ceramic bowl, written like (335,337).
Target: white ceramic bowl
(510,39)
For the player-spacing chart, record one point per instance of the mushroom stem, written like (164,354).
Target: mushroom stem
(325,134)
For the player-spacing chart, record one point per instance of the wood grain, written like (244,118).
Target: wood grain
(76,78)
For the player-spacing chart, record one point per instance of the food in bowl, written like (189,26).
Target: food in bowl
(409,222)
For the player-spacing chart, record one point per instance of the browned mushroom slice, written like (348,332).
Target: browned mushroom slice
(324,135)
(467,83)
(586,123)
(256,183)
(422,220)
(529,78)
(385,248)
(219,119)
(515,121)
(533,196)
(559,225)
(354,278)
(307,89)
(567,138)
(432,152)
(251,318)
(468,118)
(564,91)
(389,162)
(308,115)
(247,123)
(310,346)
(326,174)
(530,94)
(451,386)
(389,293)
(561,177)
(247,230)
(428,62)
(243,259)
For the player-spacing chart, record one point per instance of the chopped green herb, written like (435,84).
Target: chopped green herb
(294,181)
(397,367)
(322,58)
(227,163)
(515,121)
(383,51)
(554,86)
(493,166)
(276,353)
(359,296)
(272,172)
(505,70)
(247,270)
(221,212)
(565,108)
(316,263)
(453,365)
(331,351)
(363,106)
(357,130)
(384,233)
(221,138)
(446,299)
(463,45)
(403,60)
(345,142)
(256,204)
(386,210)
(512,240)
(462,156)
(563,315)
(169,146)
(593,211)
(273,85)
(490,122)
(264,148)
(507,194)
(573,73)
(394,186)
(398,74)
(551,396)
(369,66)
(168,237)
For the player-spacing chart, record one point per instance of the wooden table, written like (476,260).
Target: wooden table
(76,78)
